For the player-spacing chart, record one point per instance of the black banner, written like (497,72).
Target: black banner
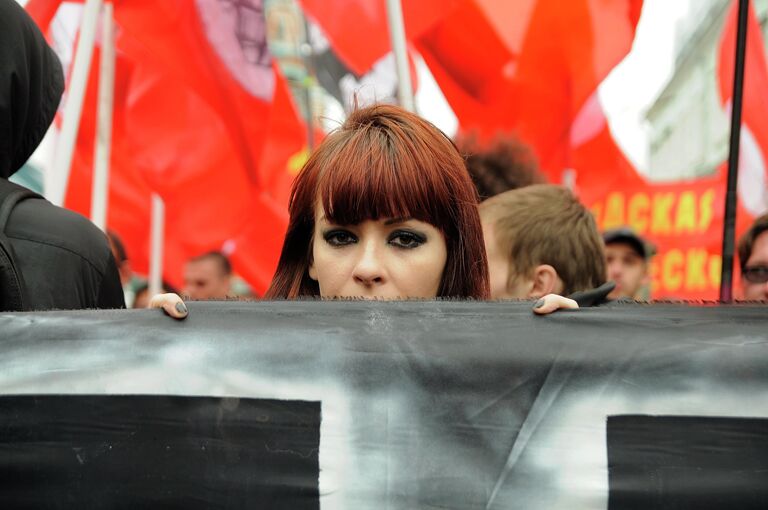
(422,404)
(66,451)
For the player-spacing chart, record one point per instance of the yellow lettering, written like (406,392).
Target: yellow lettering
(695,273)
(637,212)
(685,217)
(706,210)
(715,266)
(671,270)
(661,222)
(614,211)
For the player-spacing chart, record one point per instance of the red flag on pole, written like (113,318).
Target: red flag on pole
(198,101)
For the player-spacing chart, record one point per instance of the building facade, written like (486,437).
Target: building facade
(689,128)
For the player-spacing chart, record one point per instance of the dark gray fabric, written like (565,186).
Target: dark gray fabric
(439,404)
(65,260)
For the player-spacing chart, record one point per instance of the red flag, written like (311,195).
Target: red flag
(358,29)
(198,100)
(754,127)
(533,77)
(683,220)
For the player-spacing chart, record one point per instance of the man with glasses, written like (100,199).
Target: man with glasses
(753,257)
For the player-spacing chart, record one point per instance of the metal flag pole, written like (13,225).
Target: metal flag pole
(397,35)
(157,229)
(729,219)
(104,128)
(73,108)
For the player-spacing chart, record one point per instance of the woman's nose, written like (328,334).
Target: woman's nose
(369,269)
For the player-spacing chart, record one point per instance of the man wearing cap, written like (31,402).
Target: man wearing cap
(627,256)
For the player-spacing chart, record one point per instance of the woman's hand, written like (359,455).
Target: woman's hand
(171,303)
(545,305)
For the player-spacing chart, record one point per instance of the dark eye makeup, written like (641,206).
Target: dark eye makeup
(339,237)
(406,239)
(400,238)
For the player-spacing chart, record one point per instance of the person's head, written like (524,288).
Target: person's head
(541,240)
(121,257)
(627,256)
(31,85)
(384,208)
(208,276)
(753,259)
(506,163)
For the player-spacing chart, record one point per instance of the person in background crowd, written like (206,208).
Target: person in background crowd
(208,276)
(507,163)
(628,258)
(123,266)
(121,257)
(753,260)
(50,258)
(383,209)
(541,240)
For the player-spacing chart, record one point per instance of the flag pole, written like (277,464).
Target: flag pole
(305,50)
(156,246)
(99,195)
(397,35)
(729,219)
(73,108)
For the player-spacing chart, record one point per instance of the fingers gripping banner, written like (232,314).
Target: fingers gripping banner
(385,405)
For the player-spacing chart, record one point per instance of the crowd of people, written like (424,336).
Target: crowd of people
(386,207)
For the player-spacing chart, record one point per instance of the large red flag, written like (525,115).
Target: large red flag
(530,77)
(684,219)
(203,118)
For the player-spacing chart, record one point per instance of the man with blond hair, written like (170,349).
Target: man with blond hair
(541,240)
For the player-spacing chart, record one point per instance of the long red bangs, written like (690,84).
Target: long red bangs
(388,172)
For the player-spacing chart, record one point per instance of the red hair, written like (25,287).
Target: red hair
(385,162)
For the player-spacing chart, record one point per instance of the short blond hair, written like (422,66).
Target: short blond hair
(546,224)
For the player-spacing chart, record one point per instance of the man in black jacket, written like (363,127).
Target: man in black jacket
(50,258)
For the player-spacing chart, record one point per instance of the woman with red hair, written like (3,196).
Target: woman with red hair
(384,208)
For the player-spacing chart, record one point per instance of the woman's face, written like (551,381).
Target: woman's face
(387,258)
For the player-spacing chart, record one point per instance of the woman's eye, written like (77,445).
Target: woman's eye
(406,240)
(339,238)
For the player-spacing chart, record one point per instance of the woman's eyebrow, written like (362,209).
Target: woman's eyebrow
(392,221)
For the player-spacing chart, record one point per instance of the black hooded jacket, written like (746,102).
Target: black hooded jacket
(62,260)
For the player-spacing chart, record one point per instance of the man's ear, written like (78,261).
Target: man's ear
(545,281)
